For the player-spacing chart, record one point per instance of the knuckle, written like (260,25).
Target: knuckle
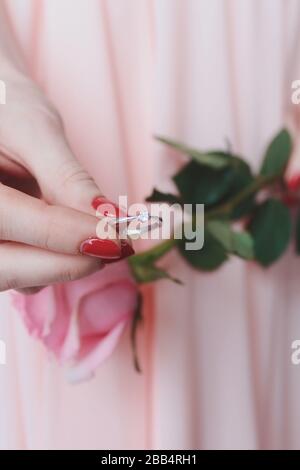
(8,278)
(82,268)
(8,283)
(73,173)
(44,236)
(12,283)
(70,275)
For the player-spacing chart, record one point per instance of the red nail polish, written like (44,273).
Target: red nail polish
(101,248)
(126,251)
(105,207)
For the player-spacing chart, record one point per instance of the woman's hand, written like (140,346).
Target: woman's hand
(43,240)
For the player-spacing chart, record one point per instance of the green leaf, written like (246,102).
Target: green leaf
(209,258)
(242,177)
(271,229)
(243,245)
(277,155)
(202,185)
(238,243)
(214,159)
(158,196)
(199,184)
(297,236)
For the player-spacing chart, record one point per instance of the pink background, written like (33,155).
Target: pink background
(216,353)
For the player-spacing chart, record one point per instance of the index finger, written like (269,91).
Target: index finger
(31,221)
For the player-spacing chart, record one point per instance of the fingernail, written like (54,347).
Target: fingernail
(101,248)
(126,249)
(105,207)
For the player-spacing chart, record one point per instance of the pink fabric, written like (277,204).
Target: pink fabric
(216,368)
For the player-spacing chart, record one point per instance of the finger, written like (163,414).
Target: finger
(63,181)
(31,221)
(25,267)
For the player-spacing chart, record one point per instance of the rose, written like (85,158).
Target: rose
(82,321)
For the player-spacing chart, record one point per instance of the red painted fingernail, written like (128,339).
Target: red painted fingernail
(126,249)
(98,201)
(101,248)
(105,207)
